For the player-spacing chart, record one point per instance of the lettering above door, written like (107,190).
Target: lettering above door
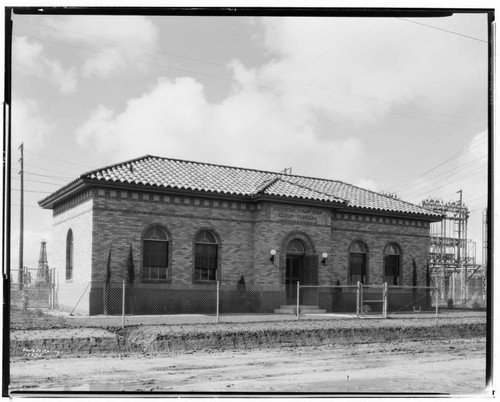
(300,214)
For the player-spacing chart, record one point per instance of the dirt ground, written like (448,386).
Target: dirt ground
(455,366)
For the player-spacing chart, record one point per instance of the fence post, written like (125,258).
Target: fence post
(298,300)
(437,301)
(385,297)
(358,298)
(218,300)
(51,289)
(123,305)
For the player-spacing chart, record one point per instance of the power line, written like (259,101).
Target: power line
(43,182)
(26,206)
(454,156)
(225,67)
(49,176)
(273,89)
(44,168)
(444,30)
(59,160)
(33,191)
(441,185)
(453,171)
(45,175)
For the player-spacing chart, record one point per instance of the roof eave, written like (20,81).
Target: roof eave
(299,200)
(407,215)
(61,194)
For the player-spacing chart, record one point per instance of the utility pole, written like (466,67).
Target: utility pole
(461,264)
(459,227)
(21,223)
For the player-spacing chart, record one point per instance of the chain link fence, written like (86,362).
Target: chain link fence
(366,300)
(32,288)
(123,303)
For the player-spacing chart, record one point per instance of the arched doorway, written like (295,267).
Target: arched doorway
(299,267)
(295,253)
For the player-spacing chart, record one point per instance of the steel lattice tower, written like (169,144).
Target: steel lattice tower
(42,274)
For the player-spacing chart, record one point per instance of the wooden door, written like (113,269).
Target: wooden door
(292,276)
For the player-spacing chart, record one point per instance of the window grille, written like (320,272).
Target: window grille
(392,264)
(206,255)
(155,255)
(357,263)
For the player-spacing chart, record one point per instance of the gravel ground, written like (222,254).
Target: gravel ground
(453,366)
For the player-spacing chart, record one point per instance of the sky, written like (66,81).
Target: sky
(388,104)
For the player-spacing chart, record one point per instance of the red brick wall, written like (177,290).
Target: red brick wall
(376,232)
(121,222)
(246,231)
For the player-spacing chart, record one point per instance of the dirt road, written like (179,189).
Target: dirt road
(452,366)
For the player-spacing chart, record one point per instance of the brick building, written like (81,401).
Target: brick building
(190,224)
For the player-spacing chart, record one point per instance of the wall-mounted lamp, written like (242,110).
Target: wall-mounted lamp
(324,256)
(273,253)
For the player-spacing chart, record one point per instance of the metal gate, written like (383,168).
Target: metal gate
(371,300)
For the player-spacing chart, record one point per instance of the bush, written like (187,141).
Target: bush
(450,303)
(476,306)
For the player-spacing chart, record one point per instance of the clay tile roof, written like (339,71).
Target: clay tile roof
(166,173)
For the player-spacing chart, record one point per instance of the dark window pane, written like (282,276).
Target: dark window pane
(155,253)
(391,265)
(357,264)
(211,274)
(163,273)
(205,261)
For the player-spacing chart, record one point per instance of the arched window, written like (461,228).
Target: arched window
(357,263)
(155,254)
(205,258)
(295,247)
(392,264)
(69,255)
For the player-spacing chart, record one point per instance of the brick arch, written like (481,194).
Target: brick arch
(306,240)
(209,229)
(149,226)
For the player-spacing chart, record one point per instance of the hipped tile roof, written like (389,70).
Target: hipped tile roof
(177,174)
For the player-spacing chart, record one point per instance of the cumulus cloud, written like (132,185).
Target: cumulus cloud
(355,69)
(250,128)
(28,125)
(120,40)
(311,106)
(29,58)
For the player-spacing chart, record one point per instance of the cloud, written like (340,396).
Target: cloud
(356,70)
(312,106)
(250,128)
(120,41)
(28,125)
(26,53)
(29,59)
(466,170)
